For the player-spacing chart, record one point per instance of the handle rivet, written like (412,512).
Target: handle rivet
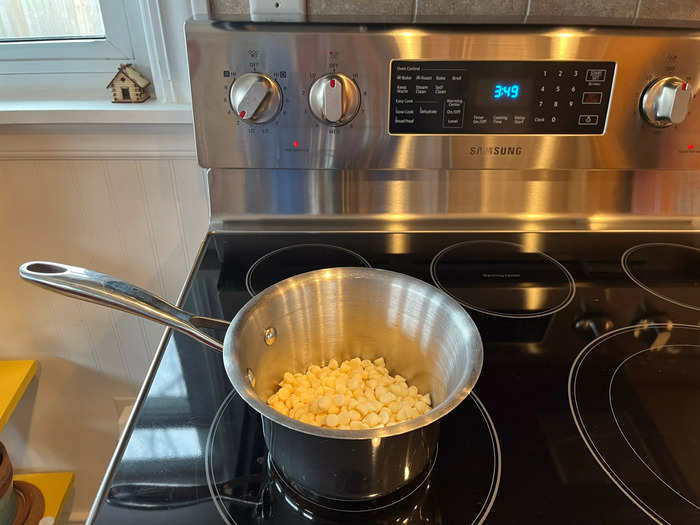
(270,336)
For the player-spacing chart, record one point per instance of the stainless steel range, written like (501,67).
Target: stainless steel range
(547,179)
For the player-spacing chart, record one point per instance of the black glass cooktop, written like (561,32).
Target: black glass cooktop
(585,411)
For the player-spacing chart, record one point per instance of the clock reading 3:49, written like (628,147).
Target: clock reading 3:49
(506,91)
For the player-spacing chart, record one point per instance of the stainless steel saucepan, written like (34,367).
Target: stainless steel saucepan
(341,313)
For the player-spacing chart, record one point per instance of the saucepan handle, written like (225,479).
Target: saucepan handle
(109,291)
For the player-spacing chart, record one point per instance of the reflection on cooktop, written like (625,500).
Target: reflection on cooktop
(259,494)
(503,279)
(286,262)
(669,271)
(643,428)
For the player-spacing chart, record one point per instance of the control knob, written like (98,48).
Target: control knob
(334,99)
(665,101)
(255,98)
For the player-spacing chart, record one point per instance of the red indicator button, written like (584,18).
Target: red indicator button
(243,114)
(690,146)
(684,87)
(332,82)
(296,143)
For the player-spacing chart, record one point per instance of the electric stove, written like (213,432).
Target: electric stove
(545,178)
(585,411)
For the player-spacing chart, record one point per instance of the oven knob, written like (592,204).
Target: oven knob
(665,101)
(334,99)
(255,98)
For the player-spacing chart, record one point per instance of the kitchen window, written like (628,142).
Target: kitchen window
(69,49)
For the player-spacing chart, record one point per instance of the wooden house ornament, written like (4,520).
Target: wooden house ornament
(128,85)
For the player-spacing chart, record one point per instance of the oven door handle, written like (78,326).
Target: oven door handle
(109,291)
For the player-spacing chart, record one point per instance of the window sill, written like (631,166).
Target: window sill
(93,112)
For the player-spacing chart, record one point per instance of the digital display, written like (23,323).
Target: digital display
(499,97)
(502,92)
(506,91)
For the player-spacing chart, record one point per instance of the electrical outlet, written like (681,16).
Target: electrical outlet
(278,10)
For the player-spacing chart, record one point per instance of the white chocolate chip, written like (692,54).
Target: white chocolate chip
(354,394)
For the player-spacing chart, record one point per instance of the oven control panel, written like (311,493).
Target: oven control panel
(326,97)
(455,97)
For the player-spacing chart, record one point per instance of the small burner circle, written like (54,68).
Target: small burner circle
(292,260)
(503,279)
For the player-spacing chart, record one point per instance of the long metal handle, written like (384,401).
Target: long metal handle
(108,291)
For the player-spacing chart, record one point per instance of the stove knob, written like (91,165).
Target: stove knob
(255,98)
(665,101)
(334,99)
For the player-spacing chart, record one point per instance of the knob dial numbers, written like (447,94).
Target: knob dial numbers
(334,99)
(665,101)
(255,98)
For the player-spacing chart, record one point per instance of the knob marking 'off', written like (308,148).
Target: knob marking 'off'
(255,98)
(665,101)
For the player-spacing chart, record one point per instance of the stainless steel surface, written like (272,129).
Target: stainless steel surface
(526,200)
(108,291)
(341,313)
(665,101)
(302,54)
(363,469)
(334,99)
(255,98)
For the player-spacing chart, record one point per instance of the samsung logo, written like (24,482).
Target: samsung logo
(496,150)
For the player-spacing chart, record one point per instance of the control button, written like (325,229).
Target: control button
(665,101)
(255,98)
(519,119)
(453,113)
(539,119)
(479,119)
(422,89)
(587,120)
(500,119)
(334,99)
(592,97)
(595,75)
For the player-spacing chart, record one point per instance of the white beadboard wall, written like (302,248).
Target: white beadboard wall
(141,220)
